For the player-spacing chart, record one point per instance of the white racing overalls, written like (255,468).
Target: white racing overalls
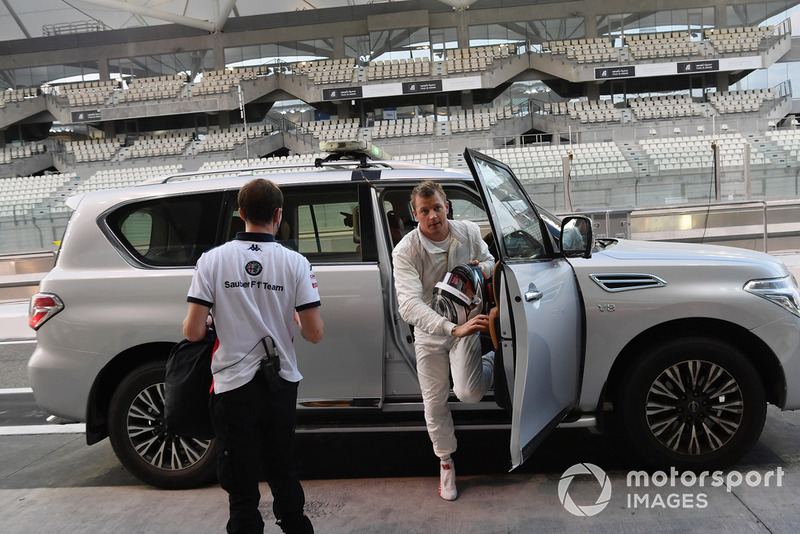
(418,266)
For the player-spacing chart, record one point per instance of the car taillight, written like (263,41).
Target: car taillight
(43,307)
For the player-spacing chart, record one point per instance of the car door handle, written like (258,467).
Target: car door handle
(532,295)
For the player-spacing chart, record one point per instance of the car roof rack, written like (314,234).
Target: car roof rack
(342,153)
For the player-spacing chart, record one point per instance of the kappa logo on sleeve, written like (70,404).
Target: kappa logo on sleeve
(253,268)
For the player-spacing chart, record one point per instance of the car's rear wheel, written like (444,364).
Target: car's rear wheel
(692,403)
(141,441)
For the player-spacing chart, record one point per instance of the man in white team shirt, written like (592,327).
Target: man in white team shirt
(256,289)
(420,260)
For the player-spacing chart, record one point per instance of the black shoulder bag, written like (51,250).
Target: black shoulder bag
(188,386)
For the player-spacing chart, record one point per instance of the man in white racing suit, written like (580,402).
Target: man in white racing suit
(421,259)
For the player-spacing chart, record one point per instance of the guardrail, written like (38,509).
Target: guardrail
(770,226)
(21,272)
(35,261)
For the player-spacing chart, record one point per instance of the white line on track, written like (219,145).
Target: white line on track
(19,342)
(30,430)
(34,430)
(13,391)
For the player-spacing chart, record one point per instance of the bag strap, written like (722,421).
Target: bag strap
(269,348)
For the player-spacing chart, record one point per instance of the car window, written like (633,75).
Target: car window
(518,225)
(464,205)
(552,222)
(169,231)
(320,222)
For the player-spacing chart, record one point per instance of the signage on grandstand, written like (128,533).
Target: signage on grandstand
(86,116)
(604,73)
(432,86)
(342,93)
(698,66)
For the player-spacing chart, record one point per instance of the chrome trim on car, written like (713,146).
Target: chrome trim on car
(613,282)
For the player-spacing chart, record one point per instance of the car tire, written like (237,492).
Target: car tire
(692,403)
(139,438)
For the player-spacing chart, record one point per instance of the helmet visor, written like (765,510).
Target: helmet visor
(460,284)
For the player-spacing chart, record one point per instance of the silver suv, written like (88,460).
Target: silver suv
(679,346)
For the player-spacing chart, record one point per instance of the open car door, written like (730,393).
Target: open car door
(540,311)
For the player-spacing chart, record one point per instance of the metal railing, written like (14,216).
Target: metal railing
(769,226)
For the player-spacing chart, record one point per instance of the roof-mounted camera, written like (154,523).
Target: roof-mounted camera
(352,149)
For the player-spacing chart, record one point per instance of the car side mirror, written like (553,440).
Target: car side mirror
(576,236)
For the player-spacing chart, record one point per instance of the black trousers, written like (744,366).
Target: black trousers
(255,430)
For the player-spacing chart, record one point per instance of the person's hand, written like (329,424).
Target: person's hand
(479,323)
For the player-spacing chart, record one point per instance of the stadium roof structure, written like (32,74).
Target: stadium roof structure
(21,19)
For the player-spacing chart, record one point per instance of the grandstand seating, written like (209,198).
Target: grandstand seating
(474,59)
(18,152)
(170,144)
(19,195)
(661,45)
(471,120)
(116,178)
(740,101)
(545,162)
(216,82)
(466,60)
(695,152)
(594,50)
(228,138)
(95,93)
(740,39)
(439,159)
(587,111)
(327,70)
(661,107)
(303,162)
(788,140)
(402,128)
(532,163)
(332,129)
(17,95)
(92,149)
(599,167)
(153,88)
(460,122)
(398,68)
(250,73)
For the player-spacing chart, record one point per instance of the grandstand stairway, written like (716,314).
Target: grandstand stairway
(637,158)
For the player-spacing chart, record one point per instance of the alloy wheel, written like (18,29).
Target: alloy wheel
(150,438)
(694,407)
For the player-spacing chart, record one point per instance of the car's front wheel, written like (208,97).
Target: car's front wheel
(692,403)
(142,442)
